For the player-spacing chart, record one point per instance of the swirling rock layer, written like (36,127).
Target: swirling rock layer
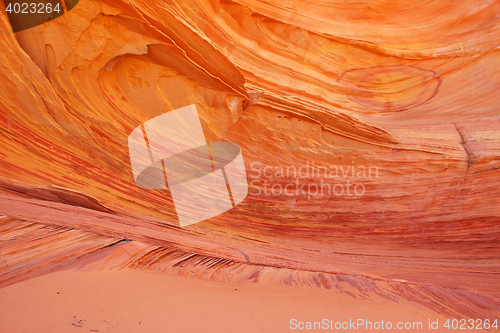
(408,91)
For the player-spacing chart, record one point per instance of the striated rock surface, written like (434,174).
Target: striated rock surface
(396,105)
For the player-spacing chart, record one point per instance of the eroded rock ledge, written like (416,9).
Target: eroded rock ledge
(408,89)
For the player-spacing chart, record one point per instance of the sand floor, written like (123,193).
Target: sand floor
(130,300)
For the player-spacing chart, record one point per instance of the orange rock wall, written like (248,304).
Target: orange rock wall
(409,89)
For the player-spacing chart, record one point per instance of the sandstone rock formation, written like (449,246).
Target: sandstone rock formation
(400,99)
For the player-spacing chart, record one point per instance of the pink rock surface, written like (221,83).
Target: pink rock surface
(400,100)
